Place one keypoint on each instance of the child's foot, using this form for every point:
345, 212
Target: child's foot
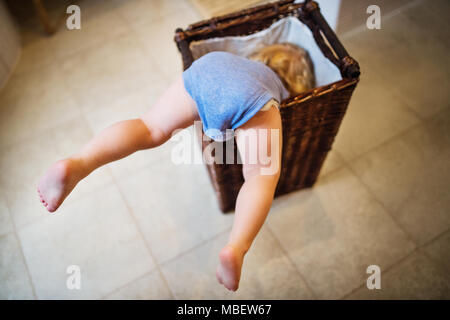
228, 271
58, 182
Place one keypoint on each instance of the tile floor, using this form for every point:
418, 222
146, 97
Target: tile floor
145, 228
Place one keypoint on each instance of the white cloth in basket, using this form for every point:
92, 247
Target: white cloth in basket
289, 29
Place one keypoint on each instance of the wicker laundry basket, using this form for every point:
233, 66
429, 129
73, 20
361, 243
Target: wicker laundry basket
310, 120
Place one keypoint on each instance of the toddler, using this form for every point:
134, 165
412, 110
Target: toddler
225, 92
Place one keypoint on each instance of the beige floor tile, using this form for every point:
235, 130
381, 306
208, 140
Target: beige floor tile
414, 278
22, 165
374, 116
267, 273
409, 175
27, 118
332, 162
149, 287
352, 13
32, 103
95, 233
139, 12
102, 74
334, 231
126, 107
410, 56
6, 225
36, 49
35, 83
157, 36
14, 279
439, 250
440, 8
175, 207
428, 92
35, 55
140, 160
100, 23
433, 15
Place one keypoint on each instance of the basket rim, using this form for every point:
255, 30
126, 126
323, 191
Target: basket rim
275, 10
243, 12
318, 91
213, 28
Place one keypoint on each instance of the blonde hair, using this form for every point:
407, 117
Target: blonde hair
291, 63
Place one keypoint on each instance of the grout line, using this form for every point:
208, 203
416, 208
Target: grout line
284, 251
52, 127
398, 135
22, 254
133, 217
10, 69
159, 265
435, 238
181, 254
418, 247
389, 268
421, 121
62, 58
419, 250
385, 17
408, 237
434, 261
400, 96
199, 245
82, 196
128, 283
26, 139
30, 279
141, 234
16, 235
371, 192
390, 214
82, 114
325, 175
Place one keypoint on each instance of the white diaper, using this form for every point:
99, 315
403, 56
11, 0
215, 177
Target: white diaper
269, 104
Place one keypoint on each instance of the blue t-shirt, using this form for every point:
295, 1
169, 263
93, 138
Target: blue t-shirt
229, 90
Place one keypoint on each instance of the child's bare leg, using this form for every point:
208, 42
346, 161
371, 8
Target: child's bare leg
174, 110
255, 196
